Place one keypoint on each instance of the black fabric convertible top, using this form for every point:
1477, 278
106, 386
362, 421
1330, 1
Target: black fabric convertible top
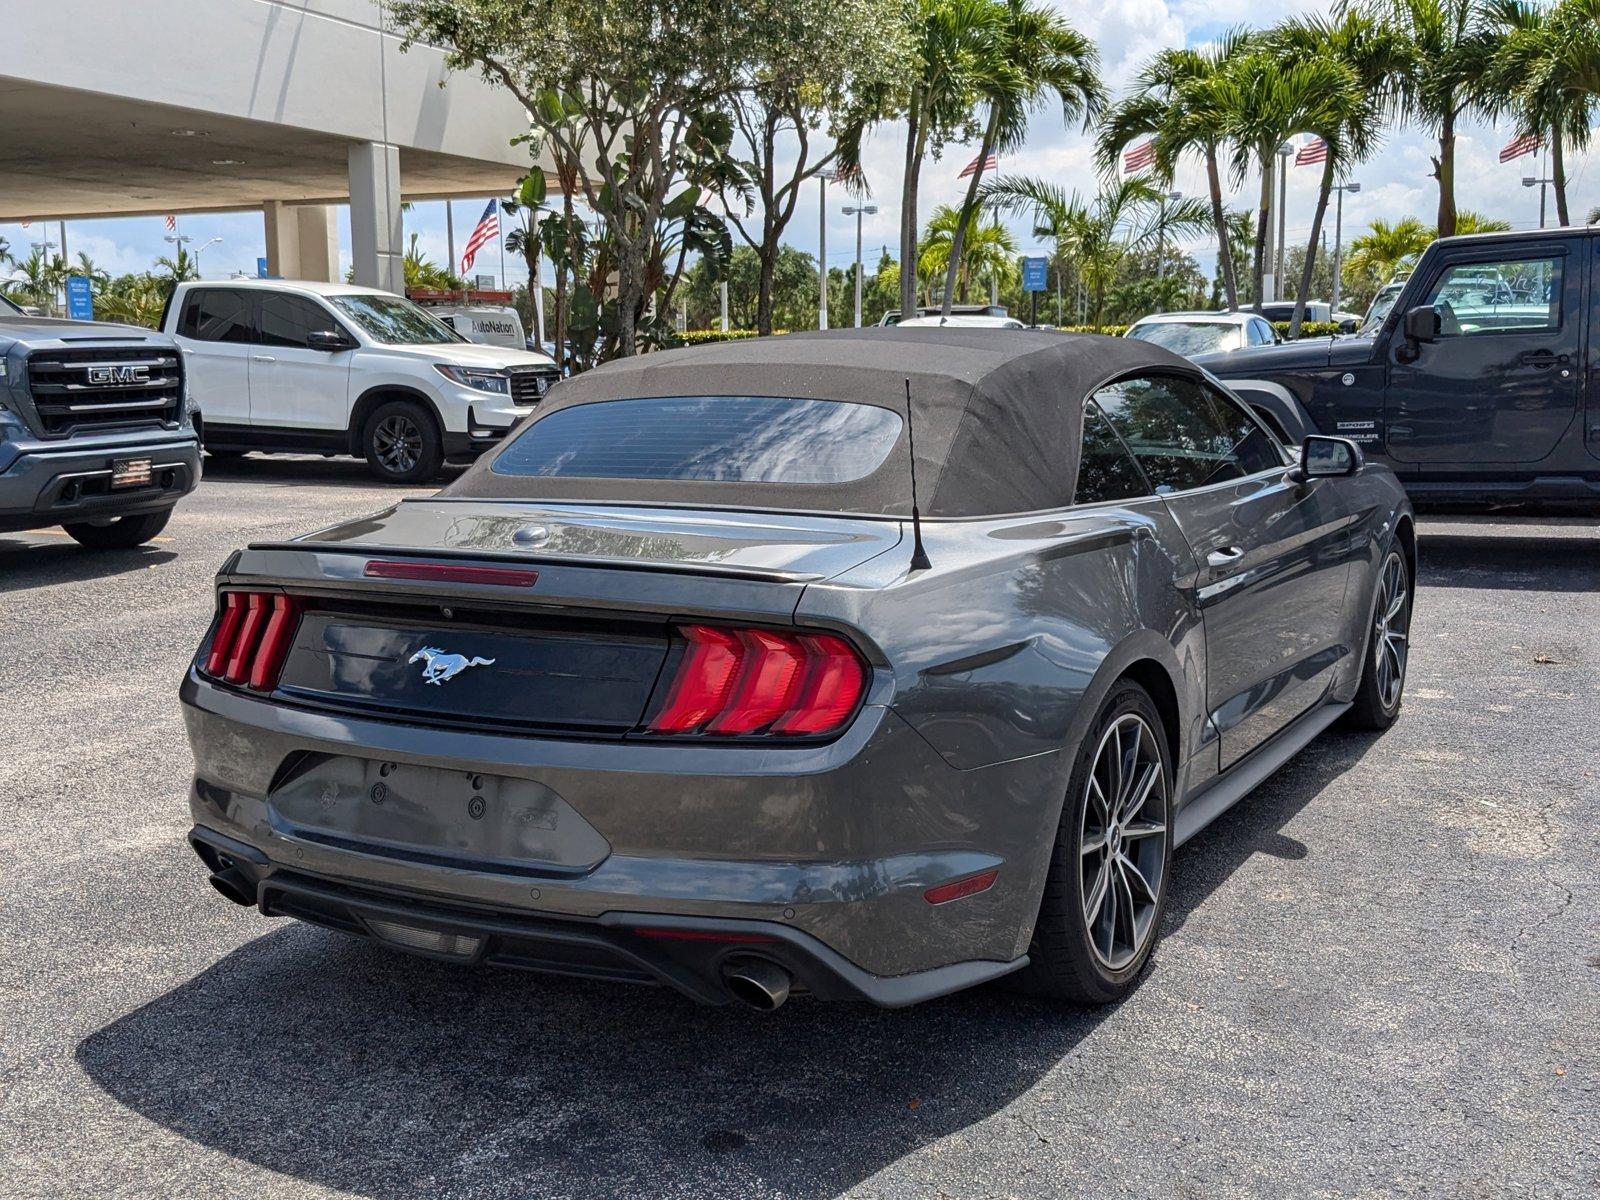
998, 416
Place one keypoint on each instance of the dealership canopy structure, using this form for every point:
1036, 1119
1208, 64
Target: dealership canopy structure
282, 106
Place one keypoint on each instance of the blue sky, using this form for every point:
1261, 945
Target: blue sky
1395, 183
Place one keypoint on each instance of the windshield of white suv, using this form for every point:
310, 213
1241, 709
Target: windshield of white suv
1202, 337
395, 322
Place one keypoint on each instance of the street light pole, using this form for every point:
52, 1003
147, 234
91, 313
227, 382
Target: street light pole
212, 242
42, 249
1161, 238
856, 211
1285, 152
1338, 236
823, 178
1529, 181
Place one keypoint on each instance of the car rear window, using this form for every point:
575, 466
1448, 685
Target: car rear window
727, 439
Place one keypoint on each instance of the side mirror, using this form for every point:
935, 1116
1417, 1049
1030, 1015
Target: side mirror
1424, 323
328, 339
1323, 457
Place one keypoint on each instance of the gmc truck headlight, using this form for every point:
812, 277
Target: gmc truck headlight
482, 381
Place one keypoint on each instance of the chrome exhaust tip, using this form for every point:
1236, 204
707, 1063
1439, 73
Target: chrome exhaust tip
757, 983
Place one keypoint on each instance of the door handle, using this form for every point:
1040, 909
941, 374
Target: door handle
262, 358
1543, 358
1225, 557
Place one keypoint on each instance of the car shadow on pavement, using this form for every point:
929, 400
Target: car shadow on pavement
1501, 562
297, 470
31, 564
355, 1068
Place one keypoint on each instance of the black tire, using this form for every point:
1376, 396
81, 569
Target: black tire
402, 442
1383, 672
1071, 956
122, 534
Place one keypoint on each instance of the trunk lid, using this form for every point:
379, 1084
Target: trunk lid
573, 643
734, 545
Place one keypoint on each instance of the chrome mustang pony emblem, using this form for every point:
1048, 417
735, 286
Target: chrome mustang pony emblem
440, 666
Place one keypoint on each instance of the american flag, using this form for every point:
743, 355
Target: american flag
1139, 158
1517, 147
1314, 151
992, 163
172, 223
488, 229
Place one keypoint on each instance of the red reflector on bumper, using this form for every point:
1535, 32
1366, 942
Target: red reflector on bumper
451, 573
958, 889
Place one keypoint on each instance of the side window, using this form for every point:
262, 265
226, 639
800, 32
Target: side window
1261, 333
1186, 435
286, 320
1520, 296
216, 315
1105, 470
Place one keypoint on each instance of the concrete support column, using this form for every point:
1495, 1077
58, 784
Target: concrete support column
283, 239
375, 229
319, 243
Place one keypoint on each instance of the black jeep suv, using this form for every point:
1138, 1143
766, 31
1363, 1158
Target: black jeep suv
1481, 385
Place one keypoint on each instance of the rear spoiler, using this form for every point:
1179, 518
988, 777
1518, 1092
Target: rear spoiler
713, 570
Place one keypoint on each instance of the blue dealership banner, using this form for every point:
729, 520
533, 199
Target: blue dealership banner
1036, 274
80, 298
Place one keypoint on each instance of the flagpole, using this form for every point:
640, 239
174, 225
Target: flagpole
450, 234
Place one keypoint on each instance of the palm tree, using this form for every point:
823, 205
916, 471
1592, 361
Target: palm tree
1446, 55
1030, 52
1097, 235
1349, 118
1545, 71
178, 269
949, 40
96, 274
1385, 250
1176, 101
988, 251
1594, 215
1468, 221
37, 278
1265, 101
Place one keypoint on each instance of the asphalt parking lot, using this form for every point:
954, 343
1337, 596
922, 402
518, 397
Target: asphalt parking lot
1380, 974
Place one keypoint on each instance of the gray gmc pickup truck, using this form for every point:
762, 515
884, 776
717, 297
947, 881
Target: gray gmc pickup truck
95, 430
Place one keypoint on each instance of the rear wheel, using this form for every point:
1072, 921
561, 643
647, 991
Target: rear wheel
121, 534
1107, 886
402, 443
1383, 676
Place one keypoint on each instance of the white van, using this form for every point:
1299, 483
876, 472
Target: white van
489, 325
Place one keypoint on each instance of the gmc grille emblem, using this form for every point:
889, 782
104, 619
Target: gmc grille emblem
110, 376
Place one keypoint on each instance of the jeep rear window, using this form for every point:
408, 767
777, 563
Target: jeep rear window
727, 439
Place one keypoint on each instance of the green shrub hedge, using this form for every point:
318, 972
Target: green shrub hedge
701, 337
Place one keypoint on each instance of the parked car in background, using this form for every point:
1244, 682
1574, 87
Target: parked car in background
675, 686
1281, 312
332, 368
962, 321
95, 430
892, 317
1192, 333
1479, 386
1382, 302
489, 325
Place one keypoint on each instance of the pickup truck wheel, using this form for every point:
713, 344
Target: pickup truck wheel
1107, 886
402, 443
122, 534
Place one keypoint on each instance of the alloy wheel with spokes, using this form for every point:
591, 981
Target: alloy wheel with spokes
1391, 631
1123, 841
397, 444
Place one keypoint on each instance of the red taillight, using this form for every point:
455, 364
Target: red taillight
253, 638
739, 682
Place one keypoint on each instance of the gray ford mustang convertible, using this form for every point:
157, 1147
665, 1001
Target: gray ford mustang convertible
871, 665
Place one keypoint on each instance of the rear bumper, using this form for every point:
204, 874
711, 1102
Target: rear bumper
685, 954
832, 847
63, 484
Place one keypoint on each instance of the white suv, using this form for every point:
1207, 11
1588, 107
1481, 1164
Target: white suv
333, 368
